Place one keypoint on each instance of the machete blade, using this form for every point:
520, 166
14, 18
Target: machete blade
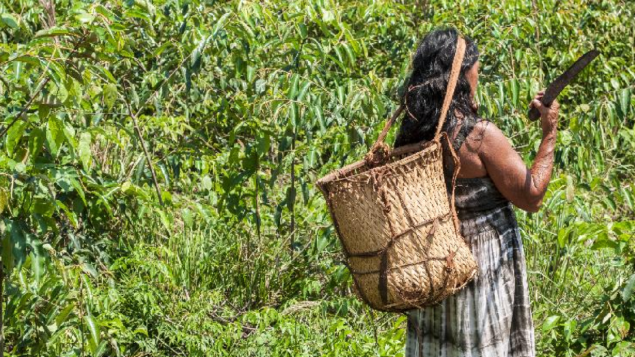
558, 85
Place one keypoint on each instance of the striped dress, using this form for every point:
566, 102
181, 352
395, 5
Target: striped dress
491, 316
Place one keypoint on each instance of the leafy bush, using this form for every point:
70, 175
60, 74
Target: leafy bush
157, 162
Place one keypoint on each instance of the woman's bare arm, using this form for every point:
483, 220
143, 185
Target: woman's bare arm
524, 187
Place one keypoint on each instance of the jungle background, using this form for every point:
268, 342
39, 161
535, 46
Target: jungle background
158, 161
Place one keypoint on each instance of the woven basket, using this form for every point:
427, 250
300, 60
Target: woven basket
398, 228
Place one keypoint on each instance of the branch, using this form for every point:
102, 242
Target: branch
49, 8
42, 84
26, 107
145, 151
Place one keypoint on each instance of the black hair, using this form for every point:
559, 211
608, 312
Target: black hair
425, 90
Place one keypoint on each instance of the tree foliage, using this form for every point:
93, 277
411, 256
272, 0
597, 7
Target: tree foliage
158, 160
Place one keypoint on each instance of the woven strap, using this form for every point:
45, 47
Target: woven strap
449, 94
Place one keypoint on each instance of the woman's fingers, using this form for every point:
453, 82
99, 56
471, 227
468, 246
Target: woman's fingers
538, 98
538, 105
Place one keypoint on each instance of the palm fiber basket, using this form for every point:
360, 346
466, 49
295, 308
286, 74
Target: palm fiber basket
398, 228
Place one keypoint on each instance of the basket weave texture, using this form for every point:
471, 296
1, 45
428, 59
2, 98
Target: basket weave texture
397, 226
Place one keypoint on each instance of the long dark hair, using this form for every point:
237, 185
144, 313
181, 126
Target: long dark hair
426, 87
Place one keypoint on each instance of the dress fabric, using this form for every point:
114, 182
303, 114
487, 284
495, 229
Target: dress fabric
491, 316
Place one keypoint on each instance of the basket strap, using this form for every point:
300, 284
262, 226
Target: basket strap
454, 76
455, 174
449, 93
384, 132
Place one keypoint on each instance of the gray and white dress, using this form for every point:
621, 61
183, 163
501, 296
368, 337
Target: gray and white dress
491, 316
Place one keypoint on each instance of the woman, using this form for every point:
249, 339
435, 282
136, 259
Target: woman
491, 316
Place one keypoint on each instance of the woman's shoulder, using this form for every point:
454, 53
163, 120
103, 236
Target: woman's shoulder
485, 131
485, 138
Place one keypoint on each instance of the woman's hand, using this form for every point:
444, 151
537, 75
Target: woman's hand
548, 114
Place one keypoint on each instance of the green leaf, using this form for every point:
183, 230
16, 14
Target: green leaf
110, 95
38, 260
53, 32
63, 315
570, 190
93, 329
126, 186
162, 48
7, 251
54, 135
550, 323
628, 289
89, 269
14, 135
69, 135
293, 87
4, 200
206, 183
569, 329
18, 244
141, 330
625, 101
585, 108
69, 214
515, 91
83, 149
43, 206
303, 30
327, 15
61, 93
165, 219
85, 17
618, 330
220, 23
260, 86
188, 219
9, 20
43, 111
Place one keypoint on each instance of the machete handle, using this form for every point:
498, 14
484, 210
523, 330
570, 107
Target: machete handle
534, 113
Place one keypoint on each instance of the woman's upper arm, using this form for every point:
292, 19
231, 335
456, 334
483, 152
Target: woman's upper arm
506, 168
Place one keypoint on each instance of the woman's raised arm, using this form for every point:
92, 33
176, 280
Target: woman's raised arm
524, 187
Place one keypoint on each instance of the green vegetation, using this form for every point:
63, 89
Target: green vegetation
231, 110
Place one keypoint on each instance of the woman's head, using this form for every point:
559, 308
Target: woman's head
426, 88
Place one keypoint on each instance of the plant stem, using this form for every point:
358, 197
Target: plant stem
257, 199
145, 152
81, 314
534, 15
26, 107
1, 310
292, 203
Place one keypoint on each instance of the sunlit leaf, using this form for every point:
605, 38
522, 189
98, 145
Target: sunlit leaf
14, 135
550, 323
94, 339
83, 149
110, 95
9, 20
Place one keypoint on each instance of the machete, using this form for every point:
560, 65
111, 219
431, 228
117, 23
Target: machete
558, 85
